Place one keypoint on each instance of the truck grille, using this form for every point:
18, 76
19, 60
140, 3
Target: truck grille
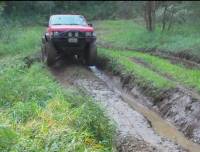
71, 34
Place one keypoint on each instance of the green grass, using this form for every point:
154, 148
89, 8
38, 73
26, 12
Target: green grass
142, 74
128, 33
188, 77
36, 113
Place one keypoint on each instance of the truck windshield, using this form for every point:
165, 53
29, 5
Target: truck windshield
67, 20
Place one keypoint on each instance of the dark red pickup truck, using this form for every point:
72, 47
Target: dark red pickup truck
69, 35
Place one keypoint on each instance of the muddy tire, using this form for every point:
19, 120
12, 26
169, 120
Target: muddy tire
48, 53
91, 54
43, 56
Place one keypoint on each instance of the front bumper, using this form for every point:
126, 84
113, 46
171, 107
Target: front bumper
62, 44
65, 47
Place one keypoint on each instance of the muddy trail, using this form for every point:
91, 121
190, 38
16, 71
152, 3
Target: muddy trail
139, 128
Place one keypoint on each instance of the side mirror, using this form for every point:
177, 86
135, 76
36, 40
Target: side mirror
90, 24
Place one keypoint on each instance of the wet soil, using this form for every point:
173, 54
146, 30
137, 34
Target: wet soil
135, 132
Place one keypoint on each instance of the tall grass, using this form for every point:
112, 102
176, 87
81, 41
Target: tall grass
36, 114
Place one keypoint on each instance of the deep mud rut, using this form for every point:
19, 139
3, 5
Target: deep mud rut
137, 129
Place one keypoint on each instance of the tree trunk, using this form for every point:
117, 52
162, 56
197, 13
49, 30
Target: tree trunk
149, 15
164, 18
171, 20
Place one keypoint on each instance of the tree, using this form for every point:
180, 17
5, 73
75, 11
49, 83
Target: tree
149, 15
172, 12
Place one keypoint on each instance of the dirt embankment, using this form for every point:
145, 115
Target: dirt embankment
181, 106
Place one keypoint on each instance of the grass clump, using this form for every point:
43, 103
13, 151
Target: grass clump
22, 112
8, 137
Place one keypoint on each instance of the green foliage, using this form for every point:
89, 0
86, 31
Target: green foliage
32, 12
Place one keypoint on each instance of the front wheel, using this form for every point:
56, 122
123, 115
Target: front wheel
91, 54
48, 53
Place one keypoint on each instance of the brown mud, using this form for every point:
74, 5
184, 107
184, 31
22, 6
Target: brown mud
182, 107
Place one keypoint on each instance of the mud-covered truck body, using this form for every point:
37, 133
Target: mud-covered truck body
69, 35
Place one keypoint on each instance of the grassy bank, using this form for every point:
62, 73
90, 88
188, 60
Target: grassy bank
150, 70
141, 74
182, 39
36, 114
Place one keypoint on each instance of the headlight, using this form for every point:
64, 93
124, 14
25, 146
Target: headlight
69, 34
93, 34
76, 34
50, 34
88, 33
56, 33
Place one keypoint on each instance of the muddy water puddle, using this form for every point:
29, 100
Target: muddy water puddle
130, 116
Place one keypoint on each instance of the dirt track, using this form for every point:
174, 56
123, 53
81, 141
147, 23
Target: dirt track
139, 129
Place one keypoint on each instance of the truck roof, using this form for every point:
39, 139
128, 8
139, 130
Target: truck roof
66, 15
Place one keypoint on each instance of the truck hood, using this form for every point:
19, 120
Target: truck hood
62, 28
